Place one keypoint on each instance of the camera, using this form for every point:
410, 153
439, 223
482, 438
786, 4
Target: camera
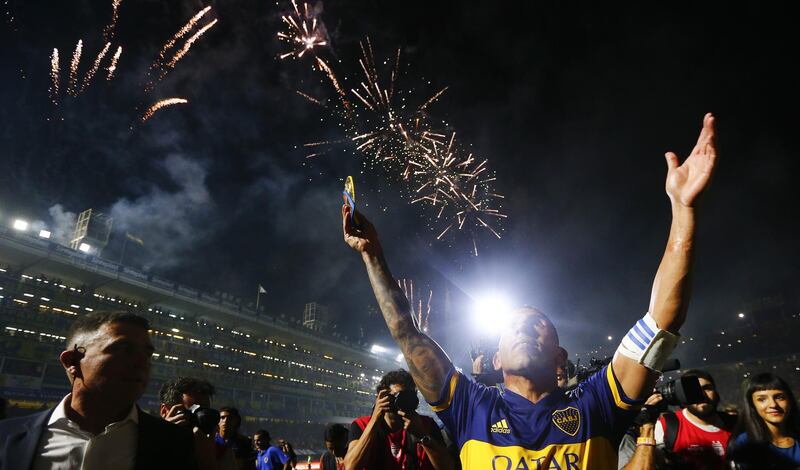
488, 375
202, 417
404, 400
681, 392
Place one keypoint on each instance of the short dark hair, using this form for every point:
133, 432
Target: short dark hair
93, 321
397, 377
700, 374
336, 432
263, 433
231, 410
171, 393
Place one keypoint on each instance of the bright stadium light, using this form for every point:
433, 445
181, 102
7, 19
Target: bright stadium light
44, 233
399, 357
84, 247
20, 225
491, 312
741, 315
378, 349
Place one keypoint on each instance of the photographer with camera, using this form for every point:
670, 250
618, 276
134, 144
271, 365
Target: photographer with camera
695, 437
395, 437
186, 402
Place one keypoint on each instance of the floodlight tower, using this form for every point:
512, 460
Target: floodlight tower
92, 231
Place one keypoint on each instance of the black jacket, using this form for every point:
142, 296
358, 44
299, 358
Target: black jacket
160, 444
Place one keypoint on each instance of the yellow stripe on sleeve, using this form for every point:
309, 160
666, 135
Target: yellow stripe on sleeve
612, 383
445, 404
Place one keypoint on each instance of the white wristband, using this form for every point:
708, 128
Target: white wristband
647, 344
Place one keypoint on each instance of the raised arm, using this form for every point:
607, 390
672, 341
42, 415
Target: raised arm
669, 298
427, 362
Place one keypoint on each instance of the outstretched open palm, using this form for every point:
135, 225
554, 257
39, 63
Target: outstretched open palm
687, 181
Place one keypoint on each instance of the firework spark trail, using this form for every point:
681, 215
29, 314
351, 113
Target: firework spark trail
188, 45
432, 99
109, 30
54, 77
113, 66
161, 104
8, 13
73, 69
95, 67
310, 98
428, 312
162, 54
334, 81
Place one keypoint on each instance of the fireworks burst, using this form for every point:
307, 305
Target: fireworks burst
304, 31
72, 87
162, 58
75, 86
95, 67
108, 31
185, 49
400, 140
164, 65
55, 77
161, 104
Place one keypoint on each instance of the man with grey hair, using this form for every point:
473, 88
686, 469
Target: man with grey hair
98, 425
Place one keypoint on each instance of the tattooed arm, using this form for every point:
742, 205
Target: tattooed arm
427, 362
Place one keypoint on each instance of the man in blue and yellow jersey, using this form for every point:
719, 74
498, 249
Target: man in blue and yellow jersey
533, 424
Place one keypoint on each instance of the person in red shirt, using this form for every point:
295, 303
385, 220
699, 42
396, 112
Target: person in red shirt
696, 437
393, 438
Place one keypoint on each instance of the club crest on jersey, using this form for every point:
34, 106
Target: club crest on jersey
568, 420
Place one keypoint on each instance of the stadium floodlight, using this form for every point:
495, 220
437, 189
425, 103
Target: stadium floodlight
741, 315
85, 247
44, 233
610, 338
399, 357
491, 312
20, 225
378, 349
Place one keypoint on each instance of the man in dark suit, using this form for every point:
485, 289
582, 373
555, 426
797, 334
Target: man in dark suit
98, 425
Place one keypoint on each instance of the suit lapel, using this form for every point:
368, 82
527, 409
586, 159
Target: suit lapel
23, 444
147, 443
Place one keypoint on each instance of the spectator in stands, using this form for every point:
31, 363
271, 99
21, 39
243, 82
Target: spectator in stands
179, 397
393, 439
229, 423
269, 457
771, 424
336, 443
98, 425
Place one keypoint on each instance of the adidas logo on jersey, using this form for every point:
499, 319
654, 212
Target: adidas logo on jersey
501, 427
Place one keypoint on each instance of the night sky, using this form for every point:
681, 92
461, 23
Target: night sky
574, 106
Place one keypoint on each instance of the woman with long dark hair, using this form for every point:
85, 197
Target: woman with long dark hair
771, 425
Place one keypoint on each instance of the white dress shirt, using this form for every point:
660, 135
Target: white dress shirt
64, 445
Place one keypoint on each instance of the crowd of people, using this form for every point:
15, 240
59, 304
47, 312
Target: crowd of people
532, 419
